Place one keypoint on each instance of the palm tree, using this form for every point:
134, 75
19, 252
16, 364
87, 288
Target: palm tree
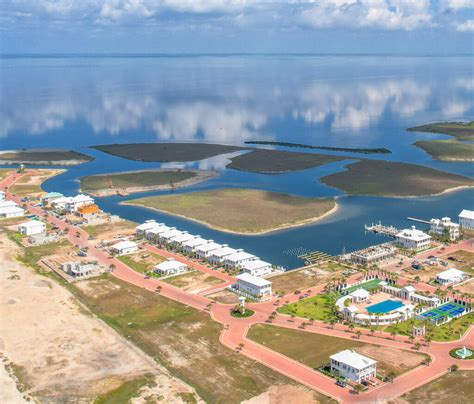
393, 334
240, 346
372, 331
112, 267
358, 334
351, 326
391, 376
417, 346
332, 322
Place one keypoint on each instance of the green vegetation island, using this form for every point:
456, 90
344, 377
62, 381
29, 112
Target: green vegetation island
166, 152
242, 211
458, 149
393, 179
142, 181
307, 146
58, 157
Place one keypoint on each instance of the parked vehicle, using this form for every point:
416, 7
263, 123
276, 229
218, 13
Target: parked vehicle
341, 383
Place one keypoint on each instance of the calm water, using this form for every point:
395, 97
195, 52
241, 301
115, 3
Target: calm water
322, 100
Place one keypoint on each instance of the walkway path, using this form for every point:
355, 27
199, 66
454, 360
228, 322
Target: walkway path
235, 330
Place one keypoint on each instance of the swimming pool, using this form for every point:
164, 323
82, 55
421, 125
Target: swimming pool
385, 306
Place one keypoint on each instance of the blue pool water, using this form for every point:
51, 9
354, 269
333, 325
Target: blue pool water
385, 306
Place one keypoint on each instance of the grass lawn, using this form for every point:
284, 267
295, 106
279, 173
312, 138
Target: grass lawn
384, 178
446, 332
369, 286
183, 339
454, 387
127, 391
314, 350
134, 179
142, 261
317, 307
31, 255
241, 210
447, 149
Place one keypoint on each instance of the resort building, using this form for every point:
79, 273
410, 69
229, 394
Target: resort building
124, 247
444, 227
253, 286
79, 269
170, 267
142, 228
204, 251
189, 247
466, 219
239, 258
32, 227
353, 366
257, 268
359, 295
50, 197
217, 256
373, 255
413, 239
450, 276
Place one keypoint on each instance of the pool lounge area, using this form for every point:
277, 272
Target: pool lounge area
384, 307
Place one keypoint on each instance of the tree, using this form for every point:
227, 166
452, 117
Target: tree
454, 368
241, 346
358, 388
358, 334
417, 346
332, 322
393, 333
112, 267
372, 331
391, 376
411, 338
351, 326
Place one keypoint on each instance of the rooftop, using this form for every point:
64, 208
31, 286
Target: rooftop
361, 293
195, 242
31, 223
239, 255
256, 264
413, 234
223, 251
170, 265
209, 247
467, 214
353, 359
450, 273
254, 280
124, 244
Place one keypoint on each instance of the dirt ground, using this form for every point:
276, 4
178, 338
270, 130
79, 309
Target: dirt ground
464, 261
285, 394
467, 287
108, 231
193, 282
224, 296
301, 279
31, 183
58, 350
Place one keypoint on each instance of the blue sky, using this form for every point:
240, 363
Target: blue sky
226, 26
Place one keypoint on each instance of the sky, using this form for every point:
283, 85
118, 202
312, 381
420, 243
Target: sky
237, 26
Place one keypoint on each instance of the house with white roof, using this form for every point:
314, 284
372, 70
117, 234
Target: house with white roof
167, 235
7, 204
77, 201
179, 239
79, 269
237, 259
353, 366
257, 267
142, 228
170, 267
154, 233
413, 239
204, 251
217, 256
253, 285
189, 247
32, 227
10, 209
450, 276
444, 227
61, 202
466, 219
124, 247
50, 197
359, 295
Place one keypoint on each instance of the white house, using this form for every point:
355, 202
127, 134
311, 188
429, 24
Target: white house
167, 235
359, 295
257, 268
61, 202
77, 201
170, 267
451, 275
253, 285
11, 211
179, 239
7, 204
413, 239
79, 269
50, 197
189, 247
466, 219
125, 247
31, 228
444, 227
142, 228
205, 250
153, 234
237, 259
353, 366
217, 256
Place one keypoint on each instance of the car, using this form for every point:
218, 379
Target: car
341, 383
364, 382
452, 259
146, 277
297, 292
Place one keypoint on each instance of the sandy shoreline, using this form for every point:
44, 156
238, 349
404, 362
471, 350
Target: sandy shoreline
201, 176
259, 233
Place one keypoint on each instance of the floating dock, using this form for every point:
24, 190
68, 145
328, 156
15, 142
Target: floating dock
315, 257
379, 228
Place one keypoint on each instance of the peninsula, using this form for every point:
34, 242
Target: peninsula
243, 211
338, 149
57, 157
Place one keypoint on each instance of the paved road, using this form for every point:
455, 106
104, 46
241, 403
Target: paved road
235, 330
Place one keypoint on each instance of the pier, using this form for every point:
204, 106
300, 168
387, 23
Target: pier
379, 228
414, 219
315, 257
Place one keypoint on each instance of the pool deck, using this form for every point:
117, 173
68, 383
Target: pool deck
385, 306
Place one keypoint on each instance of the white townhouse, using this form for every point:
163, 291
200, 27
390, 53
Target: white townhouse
2, 196
141, 229
205, 250
353, 366
179, 239
31, 228
466, 219
451, 275
167, 235
217, 256
170, 267
153, 234
124, 247
189, 247
413, 239
444, 227
10, 209
237, 259
257, 268
77, 201
254, 286
50, 197
61, 202
79, 269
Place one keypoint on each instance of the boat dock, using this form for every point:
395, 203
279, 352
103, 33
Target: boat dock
414, 219
379, 228
314, 257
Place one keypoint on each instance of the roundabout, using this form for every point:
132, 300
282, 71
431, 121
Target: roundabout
462, 353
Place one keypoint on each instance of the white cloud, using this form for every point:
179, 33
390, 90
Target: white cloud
382, 14
455, 108
466, 26
459, 4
